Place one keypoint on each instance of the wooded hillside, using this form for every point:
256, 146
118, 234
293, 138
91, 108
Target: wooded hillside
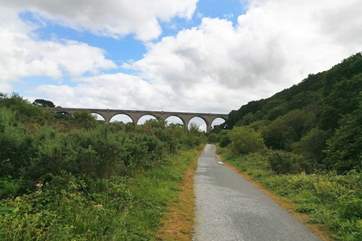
320, 118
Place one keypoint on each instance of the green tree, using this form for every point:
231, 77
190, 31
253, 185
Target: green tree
84, 119
224, 138
288, 129
312, 147
282, 162
44, 103
344, 150
245, 140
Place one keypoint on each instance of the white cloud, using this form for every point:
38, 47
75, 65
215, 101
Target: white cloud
108, 91
22, 56
343, 22
218, 66
125, 91
110, 17
274, 45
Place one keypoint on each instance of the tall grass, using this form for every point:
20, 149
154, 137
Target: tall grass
119, 208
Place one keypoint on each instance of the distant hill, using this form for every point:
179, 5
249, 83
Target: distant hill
333, 91
325, 108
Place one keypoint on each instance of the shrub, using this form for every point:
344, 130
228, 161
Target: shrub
79, 145
312, 146
282, 162
259, 125
245, 140
344, 151
17, 147
43, 103
84, 119
224, 138
287, 129
212, 138
69, 177
9, 187
24, 111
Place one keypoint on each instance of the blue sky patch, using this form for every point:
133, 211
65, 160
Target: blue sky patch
128, 48
229, 9
119, 50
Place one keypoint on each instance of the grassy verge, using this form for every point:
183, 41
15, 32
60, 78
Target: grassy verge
177, 224
328, 200
71, 208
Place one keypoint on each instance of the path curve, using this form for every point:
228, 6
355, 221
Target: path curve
229, 208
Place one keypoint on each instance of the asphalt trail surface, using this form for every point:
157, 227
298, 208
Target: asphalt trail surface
229, 208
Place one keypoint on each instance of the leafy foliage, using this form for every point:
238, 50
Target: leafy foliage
44, 103
287, 129
282, 162
311, 147
74, 178
245, 140
344, 147
318, 118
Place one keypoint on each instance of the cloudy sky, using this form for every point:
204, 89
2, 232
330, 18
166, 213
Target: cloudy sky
179, 55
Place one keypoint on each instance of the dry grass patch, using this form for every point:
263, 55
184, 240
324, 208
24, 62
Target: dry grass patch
178, 222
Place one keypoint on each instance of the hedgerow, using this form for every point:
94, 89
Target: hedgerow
73, 178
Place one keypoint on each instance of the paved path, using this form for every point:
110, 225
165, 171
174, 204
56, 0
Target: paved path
229, 208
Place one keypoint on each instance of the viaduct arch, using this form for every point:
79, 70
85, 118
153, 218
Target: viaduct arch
135, 115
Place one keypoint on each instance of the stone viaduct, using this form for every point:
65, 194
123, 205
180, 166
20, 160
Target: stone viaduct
135, 115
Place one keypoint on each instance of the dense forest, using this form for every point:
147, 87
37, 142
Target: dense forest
320, 118
305, 143
74, 178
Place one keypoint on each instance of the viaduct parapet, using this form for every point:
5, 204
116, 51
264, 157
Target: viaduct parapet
135, 115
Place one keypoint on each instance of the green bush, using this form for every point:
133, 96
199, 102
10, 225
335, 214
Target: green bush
212, 138
9, 187
260, 125
79, 144
245, 140
344, 151
17, 147
311, 146
84, 120
25, 111
224, 138
282, 162
288, 129
73, 178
